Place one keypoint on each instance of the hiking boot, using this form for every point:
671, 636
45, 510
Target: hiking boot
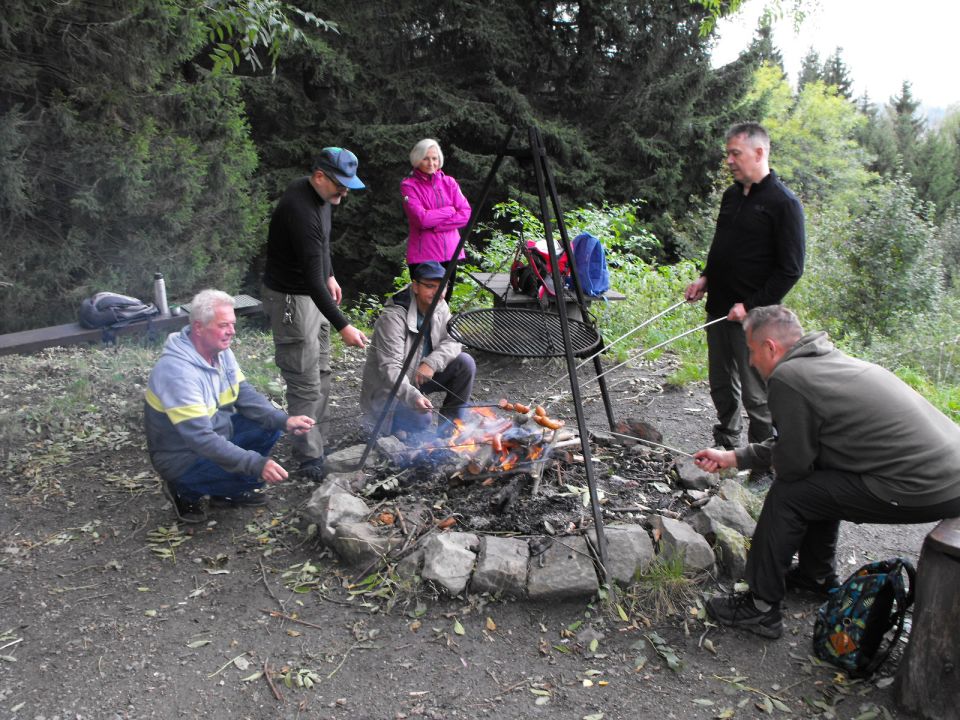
191, 512
739, 610
799, 581
242, 499
312, 470
759, 480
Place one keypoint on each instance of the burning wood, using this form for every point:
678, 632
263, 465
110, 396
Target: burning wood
491, 444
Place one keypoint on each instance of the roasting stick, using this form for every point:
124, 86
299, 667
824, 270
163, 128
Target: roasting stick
655, 347
607, 346
651, 442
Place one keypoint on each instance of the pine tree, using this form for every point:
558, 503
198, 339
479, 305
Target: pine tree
810, 69
123, 157
835, 73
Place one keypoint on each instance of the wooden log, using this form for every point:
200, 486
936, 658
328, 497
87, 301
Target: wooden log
928, 678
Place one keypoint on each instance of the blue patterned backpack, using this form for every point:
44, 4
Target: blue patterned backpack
851, 627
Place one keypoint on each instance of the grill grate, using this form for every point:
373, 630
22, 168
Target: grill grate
519, 332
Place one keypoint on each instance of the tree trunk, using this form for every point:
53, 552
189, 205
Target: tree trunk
929, 673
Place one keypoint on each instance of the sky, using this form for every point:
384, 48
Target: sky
884, 42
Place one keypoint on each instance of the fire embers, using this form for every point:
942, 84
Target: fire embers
493, 444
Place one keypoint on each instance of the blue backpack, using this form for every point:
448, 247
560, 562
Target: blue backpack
591, 263
851, 626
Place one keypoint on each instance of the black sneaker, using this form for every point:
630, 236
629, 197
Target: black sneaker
242, 499
738, 610
191, 512
822, 587
312, 470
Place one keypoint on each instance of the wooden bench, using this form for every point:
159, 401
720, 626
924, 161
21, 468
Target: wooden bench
928, 680
498, 285
28, 341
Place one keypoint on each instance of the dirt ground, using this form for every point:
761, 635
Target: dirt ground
108, 610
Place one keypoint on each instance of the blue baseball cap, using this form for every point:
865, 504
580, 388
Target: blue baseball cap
430, 270
341, 165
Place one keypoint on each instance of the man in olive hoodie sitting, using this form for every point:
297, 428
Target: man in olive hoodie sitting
853, 442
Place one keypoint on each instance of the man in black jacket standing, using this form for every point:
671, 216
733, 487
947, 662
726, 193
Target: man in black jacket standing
301, 295
755, 258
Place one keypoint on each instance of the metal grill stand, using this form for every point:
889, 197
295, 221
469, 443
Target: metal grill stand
545, 184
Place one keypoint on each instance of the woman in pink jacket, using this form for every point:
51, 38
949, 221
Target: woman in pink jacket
436, 209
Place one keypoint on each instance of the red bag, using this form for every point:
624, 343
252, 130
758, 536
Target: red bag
531, 272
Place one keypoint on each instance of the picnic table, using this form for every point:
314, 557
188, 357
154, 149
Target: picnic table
28, 341
498, 285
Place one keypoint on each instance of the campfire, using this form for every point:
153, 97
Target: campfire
489, 442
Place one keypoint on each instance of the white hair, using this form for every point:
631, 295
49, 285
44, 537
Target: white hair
203, 307
419, 151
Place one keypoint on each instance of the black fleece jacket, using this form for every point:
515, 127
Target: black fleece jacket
298, 249
758, 247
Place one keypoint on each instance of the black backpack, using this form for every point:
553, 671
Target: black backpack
110, 310
851, 626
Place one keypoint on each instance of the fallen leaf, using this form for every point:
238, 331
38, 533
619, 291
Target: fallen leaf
458, 628
198, 643
241, 663
150, 613
294, 633
491, 625
446, 523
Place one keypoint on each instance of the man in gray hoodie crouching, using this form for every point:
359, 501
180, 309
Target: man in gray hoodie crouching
209, 432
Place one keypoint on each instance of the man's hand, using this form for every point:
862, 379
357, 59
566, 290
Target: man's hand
422, 403
352, 336
737, 313
334, 287
696, 290
712, 460
299, 424
424, 374
273, 472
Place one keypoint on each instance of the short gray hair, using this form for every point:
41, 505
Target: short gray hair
774, 321
203, 307
754, 131
419, 151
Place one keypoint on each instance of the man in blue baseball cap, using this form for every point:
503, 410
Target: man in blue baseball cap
301, 296
440, 364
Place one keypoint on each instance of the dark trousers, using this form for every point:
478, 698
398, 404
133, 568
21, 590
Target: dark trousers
207, 478
804, 517
732, 380
456, 380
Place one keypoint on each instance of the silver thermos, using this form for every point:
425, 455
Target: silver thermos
160, 294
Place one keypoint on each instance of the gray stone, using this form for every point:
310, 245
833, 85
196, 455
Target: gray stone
565, 569
693, 478
629, 550
333, 484
730, 550
731, 489
448, 560
393, 450
722, 512
501, 566
679, 539
410, 567
340, 508
359, 544
346, 460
